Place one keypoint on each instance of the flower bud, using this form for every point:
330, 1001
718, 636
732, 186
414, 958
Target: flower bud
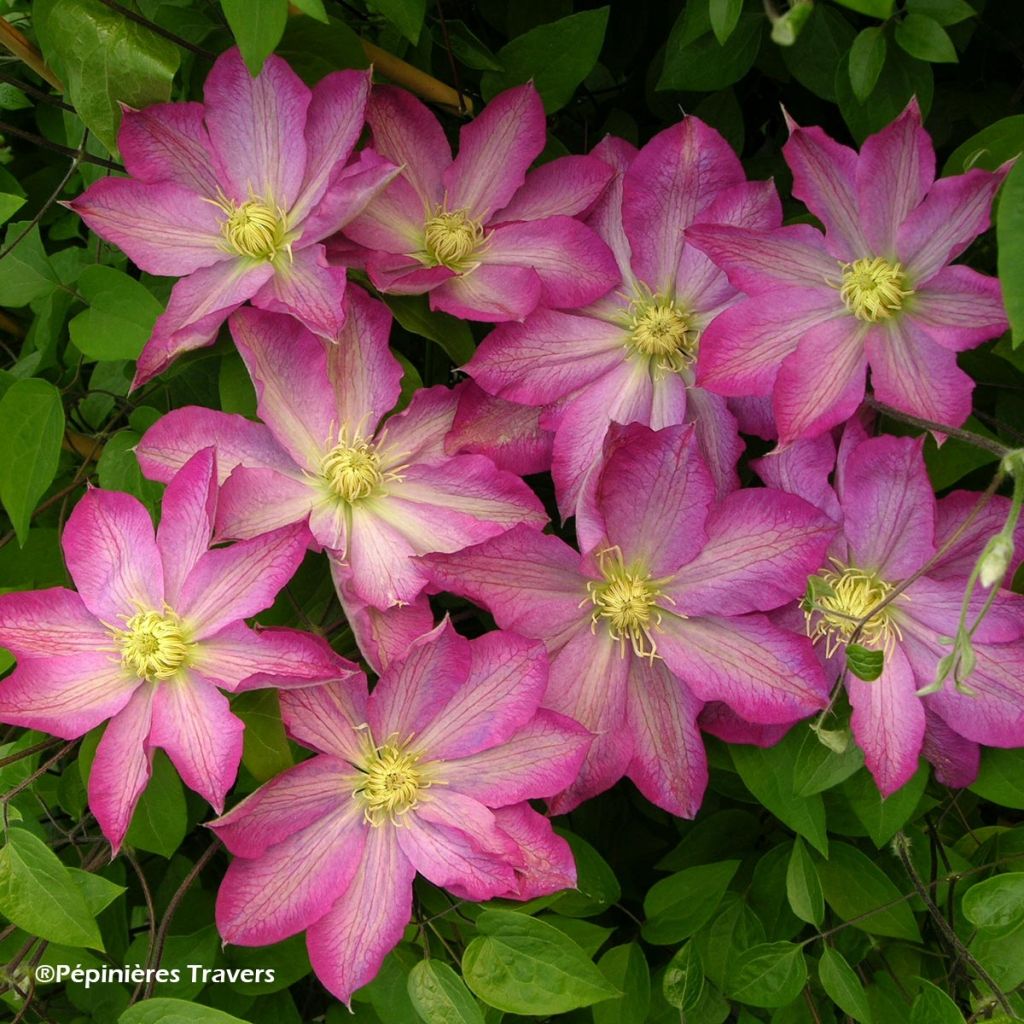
995, 560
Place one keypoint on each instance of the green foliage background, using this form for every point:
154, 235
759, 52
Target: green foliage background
798, 896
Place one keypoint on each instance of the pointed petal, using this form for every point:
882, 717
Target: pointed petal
310, 290
50, 622
163, 227
888, 722
348, 944
606, 216
256, 501
392, 222
495, 150
236, 582
568, 186
418, 432
288, 887
548, 864
803, 468
720, 720
669, 765
328, 718
111, 553
490, 293
952, 516
955, 759
762, 545
717, 436
765, 674
186, 520
379, 555
256, 127
959, 308
912, 373
935, 606
120, 770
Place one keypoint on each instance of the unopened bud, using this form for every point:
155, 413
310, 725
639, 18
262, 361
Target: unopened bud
995, 560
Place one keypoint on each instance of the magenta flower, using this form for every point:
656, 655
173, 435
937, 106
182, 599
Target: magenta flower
374, 495
234, 196
428, 774
629, 356
486, 240
156, 626
874, 290
661, 616
892, 526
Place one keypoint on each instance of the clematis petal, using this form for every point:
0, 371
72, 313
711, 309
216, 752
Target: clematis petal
492, 293
418, 432
328, 718
121, 768
540, 759
379, 555
888, 722
952, 517
187, 515
193, 722
912, 373
51, 622
256, 127
606, 216
959, 308
111, 553
669, 184
717, 435
548, 863
287, 888
163, 227
299, 797
236, 582
67, 695
310, 290
568, 186
935, 606
720, 720
764, 673
956, 760
803, 468
392, 222
495, 150
348, 944
257, 501
669, 765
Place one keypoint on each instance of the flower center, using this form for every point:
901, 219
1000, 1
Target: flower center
837, 601
153, 645
627, 599
254, 228
392, 784
451, 238
352, 471
874, 289
660, 330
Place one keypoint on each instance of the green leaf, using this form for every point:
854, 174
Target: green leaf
768, 774
933, 1006
265, 749
1010, 239
867, 57
119, 470
819, 767
521, 965
626, 968
803, 887
160, 822
468, 48
770, 974
234, 385
39, 895
694, 59
876, 8
413, 312
882, 816
989, 148
864, 663
683, 981
315, 50
98, 892
314, 8
1001, 776
9, 206
556, 56
812, 58
997, 904
105, 60
724, 15
925, 39
257, 26
861, 893
120, 316
27, 271
175, 1011
677, 906
945, 12
406, 15
31, 431
735, 928
440, 996
842, 986
597, 888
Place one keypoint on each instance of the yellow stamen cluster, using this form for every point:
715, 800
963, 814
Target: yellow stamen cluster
627, 599
353, 471
154, 645
255, 228
842, 599
392, 784
451, 238
873, 288
663, 332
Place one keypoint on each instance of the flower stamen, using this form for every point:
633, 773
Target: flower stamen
254, 228
451, 238
153, 645
392, 785
873, 288
664, 333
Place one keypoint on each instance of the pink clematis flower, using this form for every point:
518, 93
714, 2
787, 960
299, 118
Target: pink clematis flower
874, 290
428, 774
892, 527
629, 356
486, 240
374, 495
661, 616
234, 196
156, 626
